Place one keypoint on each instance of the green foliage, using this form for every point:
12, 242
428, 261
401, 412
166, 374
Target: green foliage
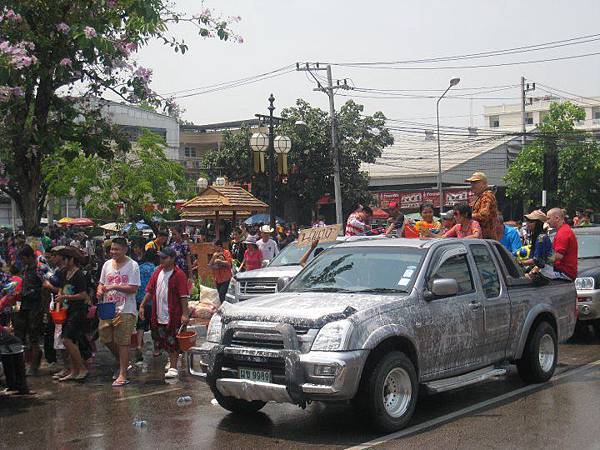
578, 161
360, 139
135, 178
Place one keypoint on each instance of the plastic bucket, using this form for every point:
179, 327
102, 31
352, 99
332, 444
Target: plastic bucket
59, 316
106, 311
186, 340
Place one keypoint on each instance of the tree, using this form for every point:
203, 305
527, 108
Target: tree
578, 161
136, 178
56, 55
361, 139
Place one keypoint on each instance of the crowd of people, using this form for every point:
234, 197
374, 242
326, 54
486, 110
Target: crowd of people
544, 259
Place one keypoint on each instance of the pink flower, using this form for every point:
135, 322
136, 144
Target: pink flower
16, 91
4, 45
240, 40
89, 32
10, 14
143, 73
111, 3
66, 62
63, 27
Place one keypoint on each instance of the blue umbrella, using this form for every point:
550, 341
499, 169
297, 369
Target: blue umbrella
141, 225
262, 218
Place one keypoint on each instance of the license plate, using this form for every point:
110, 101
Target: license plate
255, 374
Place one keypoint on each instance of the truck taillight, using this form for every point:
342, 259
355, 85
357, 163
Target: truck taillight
582, 299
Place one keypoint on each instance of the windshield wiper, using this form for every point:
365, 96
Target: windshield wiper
327, 289
380, 290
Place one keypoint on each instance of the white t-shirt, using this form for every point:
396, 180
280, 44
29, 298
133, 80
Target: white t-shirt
162, 297
128, 274
268, 249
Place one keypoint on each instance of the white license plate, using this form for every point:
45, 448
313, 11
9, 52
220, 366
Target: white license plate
255, 374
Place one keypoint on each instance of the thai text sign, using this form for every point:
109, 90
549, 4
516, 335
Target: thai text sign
412, 199
323, 234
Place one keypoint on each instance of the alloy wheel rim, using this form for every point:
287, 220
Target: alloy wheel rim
397, 392
546, 353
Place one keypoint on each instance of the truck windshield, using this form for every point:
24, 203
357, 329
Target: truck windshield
292, 254
361, 269
589, 245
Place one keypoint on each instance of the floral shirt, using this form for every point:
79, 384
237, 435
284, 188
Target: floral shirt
182, 249
461, 232
485, 211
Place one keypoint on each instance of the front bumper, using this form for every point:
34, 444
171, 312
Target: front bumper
588, 304
294, 379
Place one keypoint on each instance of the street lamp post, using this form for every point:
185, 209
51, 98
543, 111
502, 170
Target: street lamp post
453, 82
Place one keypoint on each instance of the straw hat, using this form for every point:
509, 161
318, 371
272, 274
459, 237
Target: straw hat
477, 176
537, 215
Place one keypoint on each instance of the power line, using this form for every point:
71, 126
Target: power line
514, 50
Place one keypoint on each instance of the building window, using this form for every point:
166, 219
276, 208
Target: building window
494, 121
596, 113
190, 152
529, 118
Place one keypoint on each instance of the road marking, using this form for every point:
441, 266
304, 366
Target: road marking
469, 409
164, 391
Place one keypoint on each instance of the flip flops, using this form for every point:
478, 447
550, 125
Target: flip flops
120, 383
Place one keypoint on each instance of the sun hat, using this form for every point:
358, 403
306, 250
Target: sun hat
250, 240
266, 229
537, 215
477, 176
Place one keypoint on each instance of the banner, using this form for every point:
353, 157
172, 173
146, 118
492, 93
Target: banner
323, 234
413, 199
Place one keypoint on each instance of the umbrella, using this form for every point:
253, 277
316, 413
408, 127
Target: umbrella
262, 218
112, 226
141, 225
76, 222
65, 221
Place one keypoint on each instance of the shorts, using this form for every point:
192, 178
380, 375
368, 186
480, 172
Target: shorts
145, 324
165, 338
29, 325
75, 326
117, 330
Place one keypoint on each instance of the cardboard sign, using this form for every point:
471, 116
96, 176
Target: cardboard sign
323, 234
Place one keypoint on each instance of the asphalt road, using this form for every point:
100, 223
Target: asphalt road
502, 412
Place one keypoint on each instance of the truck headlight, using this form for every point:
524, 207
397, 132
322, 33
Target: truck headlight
584, 283
333, 336
232, 287
215, 328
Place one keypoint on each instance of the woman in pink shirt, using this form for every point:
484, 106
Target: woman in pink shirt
252, 255
465, 226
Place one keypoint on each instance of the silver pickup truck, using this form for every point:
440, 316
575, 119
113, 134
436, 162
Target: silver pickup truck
375, 321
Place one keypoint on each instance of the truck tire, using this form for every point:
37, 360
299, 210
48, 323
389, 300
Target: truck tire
540, 354
596, 327
238, 406
388, 393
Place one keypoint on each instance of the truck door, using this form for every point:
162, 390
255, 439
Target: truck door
451, 326
496, 304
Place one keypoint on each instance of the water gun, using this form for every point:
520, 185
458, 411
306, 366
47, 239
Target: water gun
523, 253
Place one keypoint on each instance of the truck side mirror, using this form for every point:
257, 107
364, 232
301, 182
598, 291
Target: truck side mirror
265, 263
444, 287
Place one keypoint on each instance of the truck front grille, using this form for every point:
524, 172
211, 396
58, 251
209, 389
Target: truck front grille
258, 287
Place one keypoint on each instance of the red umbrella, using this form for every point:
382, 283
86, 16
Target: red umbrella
81, 222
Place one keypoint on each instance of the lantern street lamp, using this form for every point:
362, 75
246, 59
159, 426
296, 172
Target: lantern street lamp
220, 181
283, 145
201, 183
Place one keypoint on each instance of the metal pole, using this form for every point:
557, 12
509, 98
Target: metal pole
439, 177
271, 162
523, 118
339, 215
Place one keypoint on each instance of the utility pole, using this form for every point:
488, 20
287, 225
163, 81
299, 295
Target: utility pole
525, 88
330, 90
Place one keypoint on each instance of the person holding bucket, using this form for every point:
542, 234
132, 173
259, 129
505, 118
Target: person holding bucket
73, 296
168, 290
119, 281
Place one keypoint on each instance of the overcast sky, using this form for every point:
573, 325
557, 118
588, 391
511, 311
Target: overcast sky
282, 32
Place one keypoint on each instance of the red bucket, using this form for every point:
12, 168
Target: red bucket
186, 340
59, 316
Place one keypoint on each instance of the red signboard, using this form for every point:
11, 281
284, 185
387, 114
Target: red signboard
412, 199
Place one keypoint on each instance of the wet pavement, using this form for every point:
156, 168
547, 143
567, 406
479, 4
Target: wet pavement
502, 412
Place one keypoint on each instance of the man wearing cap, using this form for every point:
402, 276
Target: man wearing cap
168, 289
267, 246
485, 208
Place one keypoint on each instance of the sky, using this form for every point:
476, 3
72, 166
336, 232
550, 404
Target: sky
277, 33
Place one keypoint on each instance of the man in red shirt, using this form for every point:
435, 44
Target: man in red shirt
565, 248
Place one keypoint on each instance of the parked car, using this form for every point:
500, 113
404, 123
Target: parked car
284, 267
588, 276
375, 321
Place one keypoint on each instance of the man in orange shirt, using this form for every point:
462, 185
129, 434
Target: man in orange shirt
220, 263
485, 208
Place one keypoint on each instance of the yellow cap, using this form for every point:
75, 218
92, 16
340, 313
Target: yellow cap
477, 176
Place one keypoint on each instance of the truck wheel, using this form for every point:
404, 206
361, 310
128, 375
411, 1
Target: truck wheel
597, 328
388, 394
238, 406
540, 355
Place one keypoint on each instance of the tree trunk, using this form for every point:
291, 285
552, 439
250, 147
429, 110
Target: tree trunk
28, 206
